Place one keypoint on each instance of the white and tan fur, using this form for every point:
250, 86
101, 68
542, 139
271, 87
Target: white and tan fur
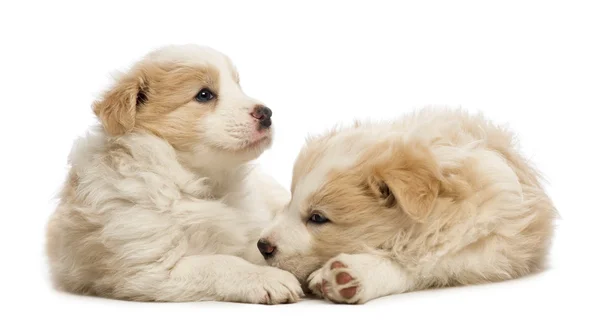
161, 202
437, 198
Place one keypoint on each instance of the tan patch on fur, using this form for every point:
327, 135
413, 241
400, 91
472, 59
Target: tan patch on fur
116, 110
353, 200
85, 256
159, 97
411, 175
359, 220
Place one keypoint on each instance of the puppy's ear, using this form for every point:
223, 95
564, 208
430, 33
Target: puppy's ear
117, 108
409, 178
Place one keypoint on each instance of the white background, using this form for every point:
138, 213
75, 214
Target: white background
533, 65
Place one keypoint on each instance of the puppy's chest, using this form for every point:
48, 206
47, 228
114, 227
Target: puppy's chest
229, 232
239, 196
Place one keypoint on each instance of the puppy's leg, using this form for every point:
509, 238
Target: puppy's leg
177, 276
215, 277
358, 278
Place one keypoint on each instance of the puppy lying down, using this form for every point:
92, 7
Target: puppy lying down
160, 203
438, 198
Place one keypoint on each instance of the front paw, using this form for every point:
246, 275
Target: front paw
338, 281
273, 286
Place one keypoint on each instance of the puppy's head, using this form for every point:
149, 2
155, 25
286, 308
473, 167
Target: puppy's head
191, 97
352, 191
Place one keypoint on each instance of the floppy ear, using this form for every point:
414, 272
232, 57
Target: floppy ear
407, 177
117, 108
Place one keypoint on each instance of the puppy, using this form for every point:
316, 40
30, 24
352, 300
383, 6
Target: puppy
438, 198
161, 203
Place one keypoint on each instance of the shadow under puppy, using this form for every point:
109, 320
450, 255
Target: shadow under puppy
161, 203
437, 198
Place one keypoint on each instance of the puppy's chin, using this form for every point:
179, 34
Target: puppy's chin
301, 267
217, 156
250, 150
259, 145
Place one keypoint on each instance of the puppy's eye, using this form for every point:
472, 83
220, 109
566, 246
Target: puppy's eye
317, 218
205, 95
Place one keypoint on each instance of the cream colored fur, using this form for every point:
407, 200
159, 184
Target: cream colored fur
436, 198
161, 202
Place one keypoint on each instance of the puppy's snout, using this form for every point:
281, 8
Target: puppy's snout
263, 114
266, 248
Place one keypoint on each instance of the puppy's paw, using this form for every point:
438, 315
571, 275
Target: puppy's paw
315, 281
338, 281
273, 286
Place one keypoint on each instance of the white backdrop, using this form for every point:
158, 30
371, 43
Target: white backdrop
533, 65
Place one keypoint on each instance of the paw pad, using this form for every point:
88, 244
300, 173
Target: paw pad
348, 293
343, 278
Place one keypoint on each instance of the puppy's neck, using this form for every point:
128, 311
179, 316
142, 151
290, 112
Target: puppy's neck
224, 177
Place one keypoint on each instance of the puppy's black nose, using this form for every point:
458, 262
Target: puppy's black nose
263, 114
266, 248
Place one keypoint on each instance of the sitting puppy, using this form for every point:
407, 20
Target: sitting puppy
160, 203
439, 198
